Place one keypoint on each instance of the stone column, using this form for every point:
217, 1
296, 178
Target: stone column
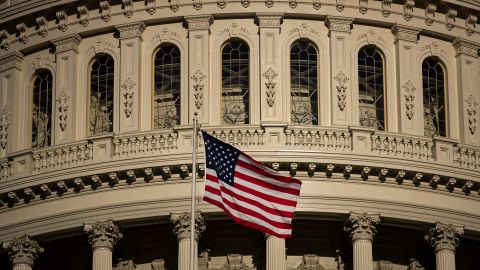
130, 35
181, 221
198, 66
361, 227
276, 255
102, 236
23, 251
13, 137
409, 90
271, 97
66, 77
341, 93
467, 81
444, 239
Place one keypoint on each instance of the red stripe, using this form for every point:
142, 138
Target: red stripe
281, 178
264, 184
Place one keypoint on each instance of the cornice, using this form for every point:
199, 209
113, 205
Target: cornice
466, 47
199, 22
67, 43
269, 19
405, 32
11, 60
131, 30
339, 24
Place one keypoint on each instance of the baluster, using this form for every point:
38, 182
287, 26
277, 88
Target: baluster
36, 162
148, 142
288, 134
116, 146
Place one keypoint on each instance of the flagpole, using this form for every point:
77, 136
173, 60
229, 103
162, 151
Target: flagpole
192, 212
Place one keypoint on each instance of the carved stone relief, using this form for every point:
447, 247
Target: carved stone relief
316, 4
102, 234
151, 6
386, 7
270, 75
450, 18
83, 14
371, 37
197, 4
433, 49
310, 262
4, 42
340, 5
42, 26
245, 3
174, 5
362, 225
470, 22
221, 3
408, 9
22, 33
100, 46
128, 95
127, 8
105, 11
409, 98
62, 105
430, 13
269, 3
235, 262
62, 18
444, 236
165, 35
363, 6
181, 224
233, 30
23, 250
471, 113
304, 31
198, 77
4, 124
415, 265
341, 89
292, 3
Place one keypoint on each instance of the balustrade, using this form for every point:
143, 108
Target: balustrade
402, 146
62, 156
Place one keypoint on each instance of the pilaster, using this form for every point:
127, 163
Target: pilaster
361, 227
276, 253
23, 251
198, 66
102, 236
66, 78
409, 90
130, 35
467, 80
270, 54
444, 238
12, 137
339, 29
182, 230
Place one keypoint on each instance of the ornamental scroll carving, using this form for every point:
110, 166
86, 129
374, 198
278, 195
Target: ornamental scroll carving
472, 113
4, 124
4, 42
470, 22
270, 75
128, 94
181, 224
269, 3
409, 98
198, 77
430, 13
151, 6
197, 4
102, 234
127, 8
444, 236
386, 7
316, 4
23, 250
304, 31
174, 5
83, 14
62, 18
42, 26
22, 33
363, 6
62, 103
408, 9
362, 226
235, 262
100, 46
105, 11
450, 18
341, 89
166, 35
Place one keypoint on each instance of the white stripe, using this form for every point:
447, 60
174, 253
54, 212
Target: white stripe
264, 190
264, 178
249, 195
261, 167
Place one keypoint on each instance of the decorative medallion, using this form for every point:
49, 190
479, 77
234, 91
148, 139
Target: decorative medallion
62, 105
409, 98
341, 89
128, 94
270, 75
198, 77
4, 124
472, 113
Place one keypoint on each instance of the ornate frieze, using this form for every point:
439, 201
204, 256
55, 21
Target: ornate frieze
409, 98
433, 49
23, 250
361, 226
128, 93
371, 37
386, 7
450, 18
105, 11
62, 18
339, 24
269, 19
405, 33
235, 262
42, 24
430, 13
197, 4
341, 79
102, 234
363, 6
199, 22
100, 46
470, 22
62, 105
4, 42
83, 15
270, 75
4, 124
245, 3
165, 35
471, 105
127, 8
465, 46
22, 33
198, 77
67, 43
408, 9
444, 236
174, 5
304, 31
181, 222
151, 6
131, 30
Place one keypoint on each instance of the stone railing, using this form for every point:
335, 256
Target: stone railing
146, 143
6, 167
325, 139
240, 136
407, 147
466, 157
62, 156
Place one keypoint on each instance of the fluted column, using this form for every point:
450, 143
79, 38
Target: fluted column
181, 221
361, 227
23, 251
276, 256
102, 236
444, 239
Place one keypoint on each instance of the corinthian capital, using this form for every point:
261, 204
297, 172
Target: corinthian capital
444, 236
102, 234
362, 225
23, 250
181, 221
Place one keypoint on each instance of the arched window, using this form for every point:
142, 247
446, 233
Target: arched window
42, 108
235, 82
101, 95
371, 87
166, 96
303, 83
434, 114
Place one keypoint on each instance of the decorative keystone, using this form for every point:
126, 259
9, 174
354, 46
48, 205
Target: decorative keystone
347, 171
329, 169
181, 221
102, 234
23, 250
361, 226
400, 176
444, 236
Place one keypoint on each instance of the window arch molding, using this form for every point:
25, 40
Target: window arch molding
216, 83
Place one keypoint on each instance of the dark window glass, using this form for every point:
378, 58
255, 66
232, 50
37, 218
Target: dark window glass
235, 82
303, 83
42, 109
371, 80
433, 79
101, 95
166, 87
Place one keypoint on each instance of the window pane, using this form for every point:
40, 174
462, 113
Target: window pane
433, 78
101, 95
371, 88
235, 83
303, 83
42, 109
166, 101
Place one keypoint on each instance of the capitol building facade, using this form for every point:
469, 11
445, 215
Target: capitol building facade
373, 105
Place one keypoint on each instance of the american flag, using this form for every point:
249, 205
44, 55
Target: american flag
252, 194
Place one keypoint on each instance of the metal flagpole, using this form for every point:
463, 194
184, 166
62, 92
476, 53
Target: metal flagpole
192, 212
